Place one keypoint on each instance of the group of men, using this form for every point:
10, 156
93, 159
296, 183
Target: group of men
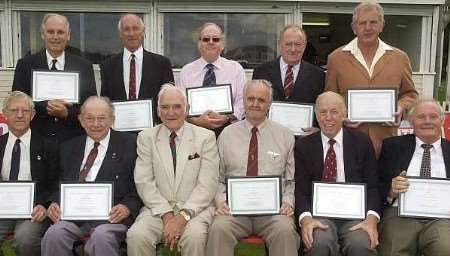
170, 181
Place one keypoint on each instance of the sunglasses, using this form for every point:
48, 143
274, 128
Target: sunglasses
209, 39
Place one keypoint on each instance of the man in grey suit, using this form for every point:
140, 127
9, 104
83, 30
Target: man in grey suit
176, 176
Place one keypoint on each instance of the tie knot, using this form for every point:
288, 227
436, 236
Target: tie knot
96, 144
173, 135
254, 130
133, 56
427, 146
290, 67
210, 66
17, 141
54, 61
331, 142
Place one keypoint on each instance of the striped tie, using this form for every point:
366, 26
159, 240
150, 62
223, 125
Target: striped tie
210, 77
288, 82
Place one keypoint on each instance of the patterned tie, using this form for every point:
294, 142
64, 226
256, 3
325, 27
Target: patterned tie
210, 77
425, 167
89, 162
173, 150
288, 82
252, 163
132, 82
15, 162
330, 166
54, 64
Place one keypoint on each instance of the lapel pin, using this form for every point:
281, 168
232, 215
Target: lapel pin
38, 157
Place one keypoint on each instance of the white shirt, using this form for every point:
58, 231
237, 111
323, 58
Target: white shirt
24, 167
61, 60
138, 57
179, 133
284, 67
102, 148
353, 48
437, 160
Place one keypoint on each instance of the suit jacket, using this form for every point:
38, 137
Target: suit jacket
48, 126
396, 154
197, 170
43, 166
360, 166
393, 70
117, 167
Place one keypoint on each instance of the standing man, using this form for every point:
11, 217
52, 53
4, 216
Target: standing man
423, 154
176, 177
273, 146
336, 154
103, 155
55, 119
369, 62
212, 69
26, 156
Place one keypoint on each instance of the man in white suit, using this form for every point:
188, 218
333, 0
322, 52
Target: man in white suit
176, 176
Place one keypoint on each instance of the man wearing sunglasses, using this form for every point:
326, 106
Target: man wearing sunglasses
212, 69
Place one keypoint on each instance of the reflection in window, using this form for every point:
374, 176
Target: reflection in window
251, 39
93, 35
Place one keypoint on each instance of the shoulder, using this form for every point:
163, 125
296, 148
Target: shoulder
155, 57
112, 60
303, 142
398, 140
199, 132
356, 136
232, 64
191, 66
72, 144
312, 68
123, 137
31, 58
268, 65
78, 59
397, 53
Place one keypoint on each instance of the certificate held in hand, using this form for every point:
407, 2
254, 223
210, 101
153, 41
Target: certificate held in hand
371, 105
52, 85
217, 98
17, 200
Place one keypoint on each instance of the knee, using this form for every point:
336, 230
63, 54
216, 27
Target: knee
54, 232
101, 235
137, 235
220, 225
284, 226
358, 243
441, 247
193, 237
323, 239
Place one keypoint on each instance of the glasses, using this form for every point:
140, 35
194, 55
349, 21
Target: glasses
99, 119
16, 111
209, 39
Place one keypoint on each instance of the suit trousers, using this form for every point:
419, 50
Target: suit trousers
147, 232
27, 235
278, 231
337, 239
406, 236
104, 241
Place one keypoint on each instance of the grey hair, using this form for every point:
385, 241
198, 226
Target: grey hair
14, 95
337, 96
167, 87
119, 24
261, 82
295, 27
413, 108
368, 5
104, 99
51, 15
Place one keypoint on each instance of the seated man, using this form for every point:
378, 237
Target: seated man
27, 156
340, 155
102, 155
423, 154
269, 152
176, 176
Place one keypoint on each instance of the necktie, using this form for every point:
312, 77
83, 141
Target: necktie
173, 149
89, 162
15, 162
132, 82
252, 163
210, 77
288, 82
54, 64
330, 166
425, 167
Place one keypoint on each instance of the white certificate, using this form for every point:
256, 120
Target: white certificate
294, 116
371, 105
50, 85
17, 200
254, 195
339, 200
216, 98
86, 201
133, 115
425, 198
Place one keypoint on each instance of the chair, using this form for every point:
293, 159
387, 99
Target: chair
254, 239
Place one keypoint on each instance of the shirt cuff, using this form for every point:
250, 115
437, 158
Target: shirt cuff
374, 213
303, 215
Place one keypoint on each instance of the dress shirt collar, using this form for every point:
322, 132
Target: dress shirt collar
138, 54
103, 143
338, 138
61, 60
260, 127
284, 65
436, 145
24, 139
218, 63
179, 132
354, 49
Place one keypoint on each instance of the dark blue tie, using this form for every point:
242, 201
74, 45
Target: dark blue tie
210, 77
15, 161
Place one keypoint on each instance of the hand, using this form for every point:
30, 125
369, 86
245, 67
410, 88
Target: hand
222, 209
398, 118
399, 185
210, 120
370, 226
39, 213
118, 213
175, 227
308, 225
309, 130
53, 212
351, 124
58, 108
286, 209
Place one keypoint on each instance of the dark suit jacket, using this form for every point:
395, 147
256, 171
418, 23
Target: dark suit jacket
359, 163
43, 166
55, 129
396, 154
117, 166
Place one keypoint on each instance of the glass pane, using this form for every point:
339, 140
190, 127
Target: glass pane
251, 39
93, 35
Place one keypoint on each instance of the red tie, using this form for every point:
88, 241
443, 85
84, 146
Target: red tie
288, 82
89, 162
173, 150
252, 163
132, 85
330, 166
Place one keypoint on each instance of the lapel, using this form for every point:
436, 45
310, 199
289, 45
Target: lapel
118, 83
110, 156
183, 153
382, 62
144, 74
349, 154
408, 151
41, 61
276, 76
74, 166
165, 155
354, 62
317, 148
3, 141
35, 150
445, 144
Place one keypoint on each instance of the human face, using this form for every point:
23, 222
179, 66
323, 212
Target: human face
257, 103
18, 116
210, 49
368, 27
292, 45
96, 119
427, 122
56, 35
131, 32
172, 109
330, 114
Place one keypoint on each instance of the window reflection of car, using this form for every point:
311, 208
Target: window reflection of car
251, 56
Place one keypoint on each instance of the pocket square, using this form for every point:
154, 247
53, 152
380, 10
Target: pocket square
194, 156
274, 155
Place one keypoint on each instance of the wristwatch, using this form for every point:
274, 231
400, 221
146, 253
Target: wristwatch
186, 215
